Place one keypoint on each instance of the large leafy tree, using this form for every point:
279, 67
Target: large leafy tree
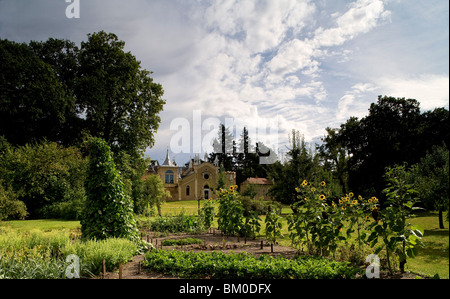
119, 99
431, 179
58, 91
33, 103
393, 132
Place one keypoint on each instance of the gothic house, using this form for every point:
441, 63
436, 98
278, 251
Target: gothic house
195, 181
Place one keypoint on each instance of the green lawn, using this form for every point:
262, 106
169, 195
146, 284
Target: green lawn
434, 257
42, 225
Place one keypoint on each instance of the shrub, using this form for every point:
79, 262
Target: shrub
176, 224
231, 211
108, 211
10, 207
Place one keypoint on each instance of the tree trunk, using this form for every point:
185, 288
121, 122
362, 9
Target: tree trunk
441, 220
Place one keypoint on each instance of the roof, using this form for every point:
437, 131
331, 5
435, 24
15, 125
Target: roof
259, 181
167, 161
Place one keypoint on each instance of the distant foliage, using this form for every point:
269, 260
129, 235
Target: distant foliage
45, 176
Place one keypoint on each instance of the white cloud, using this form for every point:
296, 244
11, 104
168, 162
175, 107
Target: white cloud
363, 16
429, 89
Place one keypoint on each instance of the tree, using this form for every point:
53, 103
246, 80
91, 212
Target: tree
120, 100
289, 175
431, 179
247, 159
224, 148
63, 57
393, 132
154, 193
108, 211
33, 102
335, 158
45, 176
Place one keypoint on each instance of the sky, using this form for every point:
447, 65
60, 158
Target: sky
269, 65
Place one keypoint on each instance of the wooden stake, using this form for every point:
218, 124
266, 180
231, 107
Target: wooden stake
262, 244
120, 270
104, 268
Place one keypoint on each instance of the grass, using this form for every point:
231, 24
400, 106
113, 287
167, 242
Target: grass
434, 257
44, 225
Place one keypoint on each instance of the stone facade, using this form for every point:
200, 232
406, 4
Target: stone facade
196, 181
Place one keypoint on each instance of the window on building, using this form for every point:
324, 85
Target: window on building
206, 175
188, 190
169, 177
206, 192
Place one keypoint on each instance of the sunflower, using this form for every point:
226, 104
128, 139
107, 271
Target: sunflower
323, 184
306, 198
354, 201
359, 197
322, 197
231, 187
344, 208
304, 183
374, 199
351, 194
313, 189
341, 200
297, 189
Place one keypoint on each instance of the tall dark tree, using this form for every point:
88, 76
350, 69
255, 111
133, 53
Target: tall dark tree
62, 56
247, 161
290, 174
224, 148
33, 102
393, 132
120, 100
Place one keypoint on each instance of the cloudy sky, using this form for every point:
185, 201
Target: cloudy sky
301, 64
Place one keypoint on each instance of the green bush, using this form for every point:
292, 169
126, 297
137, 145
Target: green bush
180, 223
10, 207
221, 265
184, 241
42, 175
108, 211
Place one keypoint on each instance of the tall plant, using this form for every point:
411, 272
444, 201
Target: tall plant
231, 211
399, 236
108, 211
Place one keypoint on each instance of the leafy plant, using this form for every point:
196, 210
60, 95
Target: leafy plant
108, 211
176, 224
273, 226
206, 214
231, 211
217, 264
398, 235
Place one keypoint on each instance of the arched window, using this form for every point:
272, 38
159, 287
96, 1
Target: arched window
169, 177
206, 192
188, 190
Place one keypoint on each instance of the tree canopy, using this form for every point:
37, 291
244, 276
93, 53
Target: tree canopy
61, 92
